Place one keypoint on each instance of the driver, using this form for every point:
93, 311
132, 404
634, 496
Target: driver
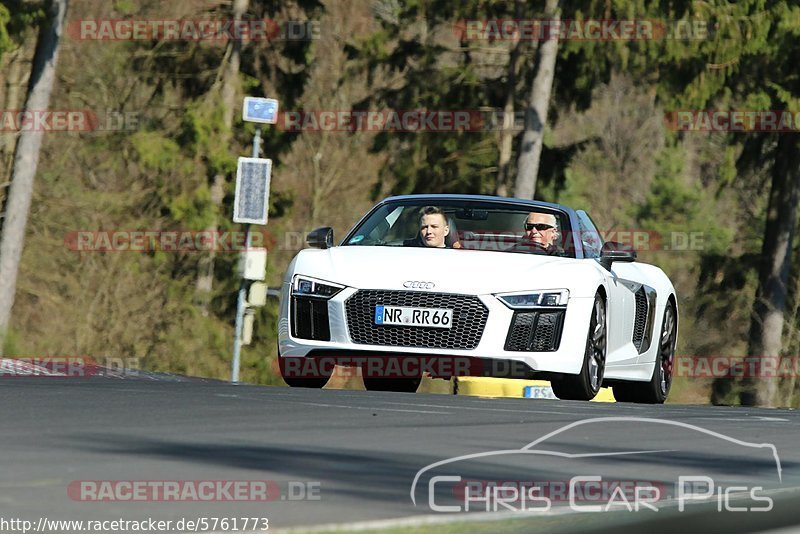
541, 233
433, 229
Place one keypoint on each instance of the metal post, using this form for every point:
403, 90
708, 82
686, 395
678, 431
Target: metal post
257, 141
242, 299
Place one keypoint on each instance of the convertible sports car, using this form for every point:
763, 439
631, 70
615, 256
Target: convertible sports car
453, 285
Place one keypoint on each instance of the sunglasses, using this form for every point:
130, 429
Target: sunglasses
539, 226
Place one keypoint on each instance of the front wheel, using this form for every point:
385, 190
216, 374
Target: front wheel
586, 384
304, 373
657, 389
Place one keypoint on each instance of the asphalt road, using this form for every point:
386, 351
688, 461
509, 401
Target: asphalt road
356, 454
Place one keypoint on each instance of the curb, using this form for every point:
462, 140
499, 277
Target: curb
514, 388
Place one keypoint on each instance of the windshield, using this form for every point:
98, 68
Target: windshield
467, 225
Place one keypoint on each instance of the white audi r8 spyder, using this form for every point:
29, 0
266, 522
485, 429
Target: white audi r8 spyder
461, 284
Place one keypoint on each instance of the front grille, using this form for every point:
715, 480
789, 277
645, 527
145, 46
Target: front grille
469, 320
640, 320
538, 331
310, 319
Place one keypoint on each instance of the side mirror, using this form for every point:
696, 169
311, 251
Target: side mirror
613, 251
320, 238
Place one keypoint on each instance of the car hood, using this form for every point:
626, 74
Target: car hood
458, 271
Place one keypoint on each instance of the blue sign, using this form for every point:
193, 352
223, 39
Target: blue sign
263, 110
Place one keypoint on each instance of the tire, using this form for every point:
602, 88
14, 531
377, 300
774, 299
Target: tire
657, 389
399, 385
586, 384
317, 381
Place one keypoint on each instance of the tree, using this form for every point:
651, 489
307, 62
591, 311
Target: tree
530, 149
740, 61
507, 132
742, 65
422, 59
17, 18
26, 159
766, 327
755, 44
229, 90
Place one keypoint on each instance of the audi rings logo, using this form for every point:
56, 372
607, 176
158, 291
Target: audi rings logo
411, 284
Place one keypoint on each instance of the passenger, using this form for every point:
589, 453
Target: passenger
541, 234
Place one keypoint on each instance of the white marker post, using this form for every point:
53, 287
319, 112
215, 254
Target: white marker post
251, 206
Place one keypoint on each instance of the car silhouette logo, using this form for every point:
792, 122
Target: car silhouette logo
533, 448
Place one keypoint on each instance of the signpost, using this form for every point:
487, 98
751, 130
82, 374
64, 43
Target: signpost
252, 190
262, 110
251, 206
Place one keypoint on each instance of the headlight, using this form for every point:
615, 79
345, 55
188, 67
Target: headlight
311, 287
538, 299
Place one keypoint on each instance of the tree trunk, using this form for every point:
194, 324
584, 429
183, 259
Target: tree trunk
26, 160
230, 86
507, 133
15, 78
766, 324
530, 149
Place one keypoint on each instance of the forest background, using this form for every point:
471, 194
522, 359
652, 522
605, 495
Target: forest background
163, 157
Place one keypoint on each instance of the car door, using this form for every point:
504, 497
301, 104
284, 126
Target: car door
621, 302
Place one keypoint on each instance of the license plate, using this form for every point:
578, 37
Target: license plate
404, 316
539, 392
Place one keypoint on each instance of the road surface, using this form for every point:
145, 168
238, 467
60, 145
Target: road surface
350, 457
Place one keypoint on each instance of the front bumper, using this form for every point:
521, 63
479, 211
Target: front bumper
490, 352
